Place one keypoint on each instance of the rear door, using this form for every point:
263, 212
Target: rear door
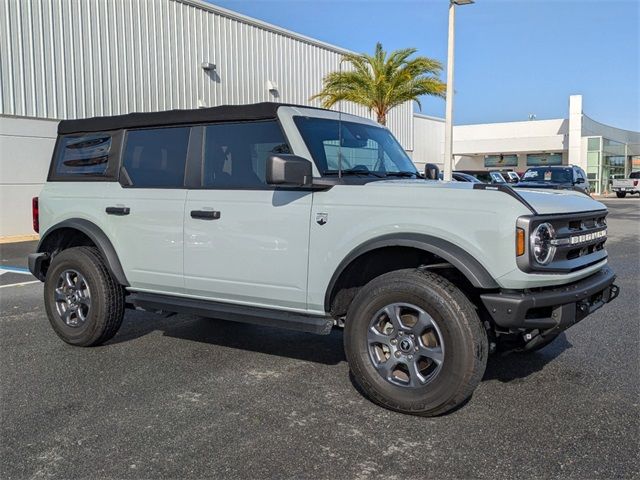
146, 209
245, 241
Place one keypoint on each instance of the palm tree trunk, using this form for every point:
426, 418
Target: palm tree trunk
382, 117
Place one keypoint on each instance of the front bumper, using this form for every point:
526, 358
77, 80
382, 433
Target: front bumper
555, 308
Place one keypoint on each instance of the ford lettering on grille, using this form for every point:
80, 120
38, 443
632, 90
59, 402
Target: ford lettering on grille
587, 237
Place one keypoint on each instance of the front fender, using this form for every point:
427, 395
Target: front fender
458, 257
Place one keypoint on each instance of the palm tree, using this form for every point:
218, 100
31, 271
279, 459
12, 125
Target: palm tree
381, 82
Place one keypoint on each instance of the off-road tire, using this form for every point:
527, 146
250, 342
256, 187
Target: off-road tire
465, 340
621, 194
107, 297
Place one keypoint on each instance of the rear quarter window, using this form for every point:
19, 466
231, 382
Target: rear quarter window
83, 155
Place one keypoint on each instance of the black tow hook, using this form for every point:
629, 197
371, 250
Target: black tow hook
614, 291
583, 307
533, 342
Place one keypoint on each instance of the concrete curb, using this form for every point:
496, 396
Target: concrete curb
19, 238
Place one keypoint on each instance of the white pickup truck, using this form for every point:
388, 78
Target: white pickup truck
629, 185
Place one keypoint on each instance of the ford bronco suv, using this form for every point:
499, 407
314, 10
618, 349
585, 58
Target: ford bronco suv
307, 219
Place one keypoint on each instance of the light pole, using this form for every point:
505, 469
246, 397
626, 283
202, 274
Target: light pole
448, 122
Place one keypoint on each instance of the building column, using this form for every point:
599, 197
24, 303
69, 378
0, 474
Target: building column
575, 132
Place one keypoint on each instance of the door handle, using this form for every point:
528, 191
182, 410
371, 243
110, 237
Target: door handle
205, 214
118, 210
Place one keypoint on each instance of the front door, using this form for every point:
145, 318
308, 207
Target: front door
245, 242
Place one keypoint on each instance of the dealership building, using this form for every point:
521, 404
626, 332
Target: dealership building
64, 59
603, 151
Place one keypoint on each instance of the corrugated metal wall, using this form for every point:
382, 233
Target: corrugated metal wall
81, 58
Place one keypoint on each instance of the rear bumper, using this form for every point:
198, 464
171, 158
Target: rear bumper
35, 261
625, 189
555, 308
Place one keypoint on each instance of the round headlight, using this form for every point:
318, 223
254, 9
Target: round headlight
543, 250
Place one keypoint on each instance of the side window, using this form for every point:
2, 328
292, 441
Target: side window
84, 155
235, 154
156, 157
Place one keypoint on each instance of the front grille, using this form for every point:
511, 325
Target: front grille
579, 238
579, 241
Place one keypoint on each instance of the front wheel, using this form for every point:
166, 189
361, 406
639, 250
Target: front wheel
84, 303
415, 343
621, 194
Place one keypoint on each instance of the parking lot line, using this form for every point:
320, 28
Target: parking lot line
8, 268
19, 284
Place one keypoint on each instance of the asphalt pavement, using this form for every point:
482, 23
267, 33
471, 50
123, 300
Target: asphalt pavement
186, 397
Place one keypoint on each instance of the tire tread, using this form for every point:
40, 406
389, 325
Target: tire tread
109, 323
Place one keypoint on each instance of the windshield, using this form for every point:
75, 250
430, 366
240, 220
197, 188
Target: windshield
359, 149
548, 175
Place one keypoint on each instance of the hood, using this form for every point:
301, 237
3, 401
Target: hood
549, 201
544, 201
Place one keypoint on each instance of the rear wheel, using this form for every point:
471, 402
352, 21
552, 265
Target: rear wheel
414, 343
84, 303
621, 194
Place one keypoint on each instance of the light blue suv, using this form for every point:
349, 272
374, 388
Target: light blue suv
304, 218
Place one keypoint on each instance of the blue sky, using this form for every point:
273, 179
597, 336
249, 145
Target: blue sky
513, 57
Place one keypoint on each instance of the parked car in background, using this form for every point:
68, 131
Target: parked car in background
464, 177
485, 177
509, 176
513, 177
630, 185
461, 177
556, 177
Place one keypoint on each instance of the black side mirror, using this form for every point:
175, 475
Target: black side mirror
289, 170
579, 180
431, 171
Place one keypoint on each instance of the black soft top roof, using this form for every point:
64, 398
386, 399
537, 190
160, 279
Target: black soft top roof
224, 113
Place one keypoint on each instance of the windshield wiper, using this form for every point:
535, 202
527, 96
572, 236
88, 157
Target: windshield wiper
354, 172
402, 174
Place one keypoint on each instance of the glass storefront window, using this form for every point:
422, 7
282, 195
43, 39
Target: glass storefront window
593, 144
536, 160
613, 162
612, 147
501, 161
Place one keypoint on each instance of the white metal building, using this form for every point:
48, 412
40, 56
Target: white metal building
65, 59
73, 59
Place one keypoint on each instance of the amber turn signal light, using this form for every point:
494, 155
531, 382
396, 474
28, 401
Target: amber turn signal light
519, 242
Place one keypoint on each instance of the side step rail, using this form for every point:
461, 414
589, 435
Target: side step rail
236, 313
